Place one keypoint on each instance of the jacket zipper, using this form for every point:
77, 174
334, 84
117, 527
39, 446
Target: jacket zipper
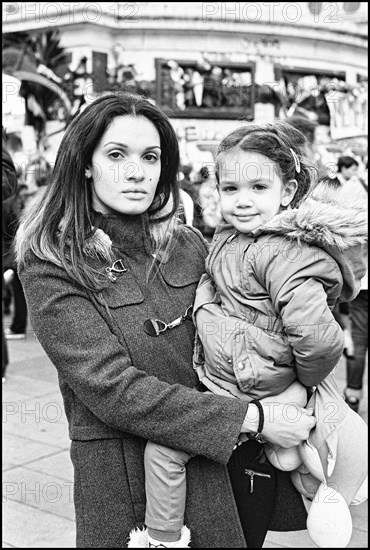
229, 239
252, 473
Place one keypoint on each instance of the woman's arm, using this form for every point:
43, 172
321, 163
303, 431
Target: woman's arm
98, 369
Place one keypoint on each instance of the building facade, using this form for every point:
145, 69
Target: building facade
212, 65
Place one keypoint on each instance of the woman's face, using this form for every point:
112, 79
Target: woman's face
126, 166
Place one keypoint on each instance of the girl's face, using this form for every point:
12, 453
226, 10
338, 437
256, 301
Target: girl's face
126, 166
251, 190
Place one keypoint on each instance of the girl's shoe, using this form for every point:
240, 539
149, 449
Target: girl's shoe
139, 539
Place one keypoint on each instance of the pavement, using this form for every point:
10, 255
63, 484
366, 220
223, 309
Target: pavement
37, 472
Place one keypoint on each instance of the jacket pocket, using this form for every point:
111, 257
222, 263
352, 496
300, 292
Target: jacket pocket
181, 278
257, 355
123, 291
218, 334
186, 261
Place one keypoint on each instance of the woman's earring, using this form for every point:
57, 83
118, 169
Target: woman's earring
88, 173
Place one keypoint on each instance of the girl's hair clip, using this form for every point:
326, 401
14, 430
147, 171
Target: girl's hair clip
296, 161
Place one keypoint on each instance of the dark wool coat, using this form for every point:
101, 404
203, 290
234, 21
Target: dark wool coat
121, 387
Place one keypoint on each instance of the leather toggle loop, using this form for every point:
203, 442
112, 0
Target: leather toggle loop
154, 327
115, 270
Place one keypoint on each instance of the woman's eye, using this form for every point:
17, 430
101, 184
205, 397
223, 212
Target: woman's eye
116, 155
151, 157
228, 189
260, 187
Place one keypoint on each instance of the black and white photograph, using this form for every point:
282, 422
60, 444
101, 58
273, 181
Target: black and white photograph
185, 274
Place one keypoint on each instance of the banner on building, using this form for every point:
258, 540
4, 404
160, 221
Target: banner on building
348, 114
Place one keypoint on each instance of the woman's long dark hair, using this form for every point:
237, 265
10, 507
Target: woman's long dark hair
58, 229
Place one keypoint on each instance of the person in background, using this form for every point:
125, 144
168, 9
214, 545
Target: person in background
8, 237
11, 213
359, 318
209, 201
38, 172
355, 364
347, 169
186, 207
308, 129
36, 178
9, 187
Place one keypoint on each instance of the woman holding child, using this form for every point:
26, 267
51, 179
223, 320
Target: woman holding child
109, 276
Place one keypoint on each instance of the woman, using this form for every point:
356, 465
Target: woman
105, 269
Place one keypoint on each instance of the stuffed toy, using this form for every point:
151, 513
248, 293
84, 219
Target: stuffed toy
330, 468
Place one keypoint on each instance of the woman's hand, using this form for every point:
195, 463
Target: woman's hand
286, 422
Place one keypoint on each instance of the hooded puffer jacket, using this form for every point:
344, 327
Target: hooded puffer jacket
263, 310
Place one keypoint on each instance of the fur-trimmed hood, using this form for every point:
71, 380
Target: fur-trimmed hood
334, 219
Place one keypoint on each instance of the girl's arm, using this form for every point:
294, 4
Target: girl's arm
299, 281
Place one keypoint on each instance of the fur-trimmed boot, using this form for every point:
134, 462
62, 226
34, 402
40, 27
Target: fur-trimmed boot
139, 539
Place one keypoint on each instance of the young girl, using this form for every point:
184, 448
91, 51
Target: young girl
263, 313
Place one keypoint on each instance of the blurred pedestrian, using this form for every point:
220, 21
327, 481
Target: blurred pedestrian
209, 201
347, 169
36, 178
356, 363
359, 319
11, 212
347, 174
186, 207
8, 237
9, 187
38, 172
308, 128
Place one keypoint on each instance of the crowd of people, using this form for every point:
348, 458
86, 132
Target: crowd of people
146, 295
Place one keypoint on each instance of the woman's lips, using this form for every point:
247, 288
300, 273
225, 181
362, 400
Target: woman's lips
139, 191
